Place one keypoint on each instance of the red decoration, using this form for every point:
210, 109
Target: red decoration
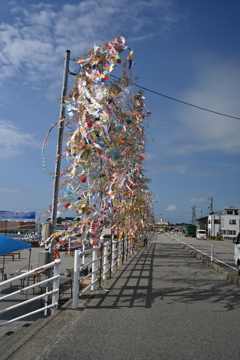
83, 179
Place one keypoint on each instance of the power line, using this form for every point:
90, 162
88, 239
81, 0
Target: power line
174, 99
182, 102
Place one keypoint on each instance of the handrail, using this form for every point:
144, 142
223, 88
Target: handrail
30, 272
116, 256
29, 287
29, 314
54, 292
204, 253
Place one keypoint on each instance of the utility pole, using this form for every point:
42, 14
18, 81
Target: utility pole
211, 205
59, 145
193, 215
211, 213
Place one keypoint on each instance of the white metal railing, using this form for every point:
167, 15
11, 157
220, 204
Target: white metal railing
211, 254
52, 282
112, 254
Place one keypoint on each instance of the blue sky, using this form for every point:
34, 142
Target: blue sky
185, 49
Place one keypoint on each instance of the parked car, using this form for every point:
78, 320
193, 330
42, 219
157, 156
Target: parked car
237, 253
201, 234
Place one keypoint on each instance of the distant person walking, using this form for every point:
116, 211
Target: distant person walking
145, 240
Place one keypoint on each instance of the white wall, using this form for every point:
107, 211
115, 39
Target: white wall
224, 228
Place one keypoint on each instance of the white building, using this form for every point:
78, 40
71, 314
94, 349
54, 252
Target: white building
226, 224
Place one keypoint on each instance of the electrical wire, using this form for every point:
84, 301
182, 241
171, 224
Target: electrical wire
174, 99
182, 102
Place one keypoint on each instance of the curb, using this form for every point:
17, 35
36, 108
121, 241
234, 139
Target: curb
33, 330
229, 274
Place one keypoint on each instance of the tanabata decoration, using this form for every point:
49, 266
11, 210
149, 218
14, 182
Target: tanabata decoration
45, 141
104, 182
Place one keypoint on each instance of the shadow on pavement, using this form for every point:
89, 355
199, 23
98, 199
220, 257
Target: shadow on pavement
166, 273
132, 285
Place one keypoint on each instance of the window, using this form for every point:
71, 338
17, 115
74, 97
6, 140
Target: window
223, 232
231, 232
232, 222
217, 221
229, 212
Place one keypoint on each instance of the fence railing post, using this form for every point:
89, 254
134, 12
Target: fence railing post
105, 258
119, 252
83, 256
101, 265
55, 296
94, 267
212, 253
76, 279
113, 255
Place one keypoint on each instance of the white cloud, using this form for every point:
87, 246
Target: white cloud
148, 156
13, 141
36, 42
10, 191
205, 173
217, 88
172, 208
160, 167
179, 168
194, 200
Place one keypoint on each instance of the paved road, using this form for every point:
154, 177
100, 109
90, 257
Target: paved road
163, 304
223, 250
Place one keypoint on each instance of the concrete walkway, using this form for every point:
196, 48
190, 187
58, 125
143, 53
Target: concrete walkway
163, 304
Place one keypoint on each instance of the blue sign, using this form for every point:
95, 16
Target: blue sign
17, 215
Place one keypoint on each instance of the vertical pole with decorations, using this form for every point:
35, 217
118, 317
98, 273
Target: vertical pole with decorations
59, 145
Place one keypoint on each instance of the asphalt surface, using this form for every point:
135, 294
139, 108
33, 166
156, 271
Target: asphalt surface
223, 249
163, 304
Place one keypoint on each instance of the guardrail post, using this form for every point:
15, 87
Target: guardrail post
55, 296
105, 252
123, 250
119, 251
131, 247
83, 256
212, 253
76, 279
101, 264
94, 267
113, 256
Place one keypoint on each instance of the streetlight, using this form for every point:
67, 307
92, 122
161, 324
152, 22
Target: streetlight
38, 226
157, 215
155, 218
